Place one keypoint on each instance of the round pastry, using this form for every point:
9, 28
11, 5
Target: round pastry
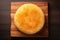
29, 18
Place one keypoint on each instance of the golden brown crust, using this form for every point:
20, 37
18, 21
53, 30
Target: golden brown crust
29, 18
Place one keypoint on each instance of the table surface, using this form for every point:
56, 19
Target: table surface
14, 31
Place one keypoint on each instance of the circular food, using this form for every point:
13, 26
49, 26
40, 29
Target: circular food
29, 18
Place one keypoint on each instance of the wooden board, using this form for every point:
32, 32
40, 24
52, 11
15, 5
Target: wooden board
14, 31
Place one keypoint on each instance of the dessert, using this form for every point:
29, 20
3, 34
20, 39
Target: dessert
29, 18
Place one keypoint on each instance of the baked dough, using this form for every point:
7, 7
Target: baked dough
29, 18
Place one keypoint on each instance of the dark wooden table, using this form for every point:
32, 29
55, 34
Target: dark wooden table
54, 18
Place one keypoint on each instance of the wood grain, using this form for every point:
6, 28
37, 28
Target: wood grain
14, 30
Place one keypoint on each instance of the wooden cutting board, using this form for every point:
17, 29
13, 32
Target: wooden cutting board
14, 31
